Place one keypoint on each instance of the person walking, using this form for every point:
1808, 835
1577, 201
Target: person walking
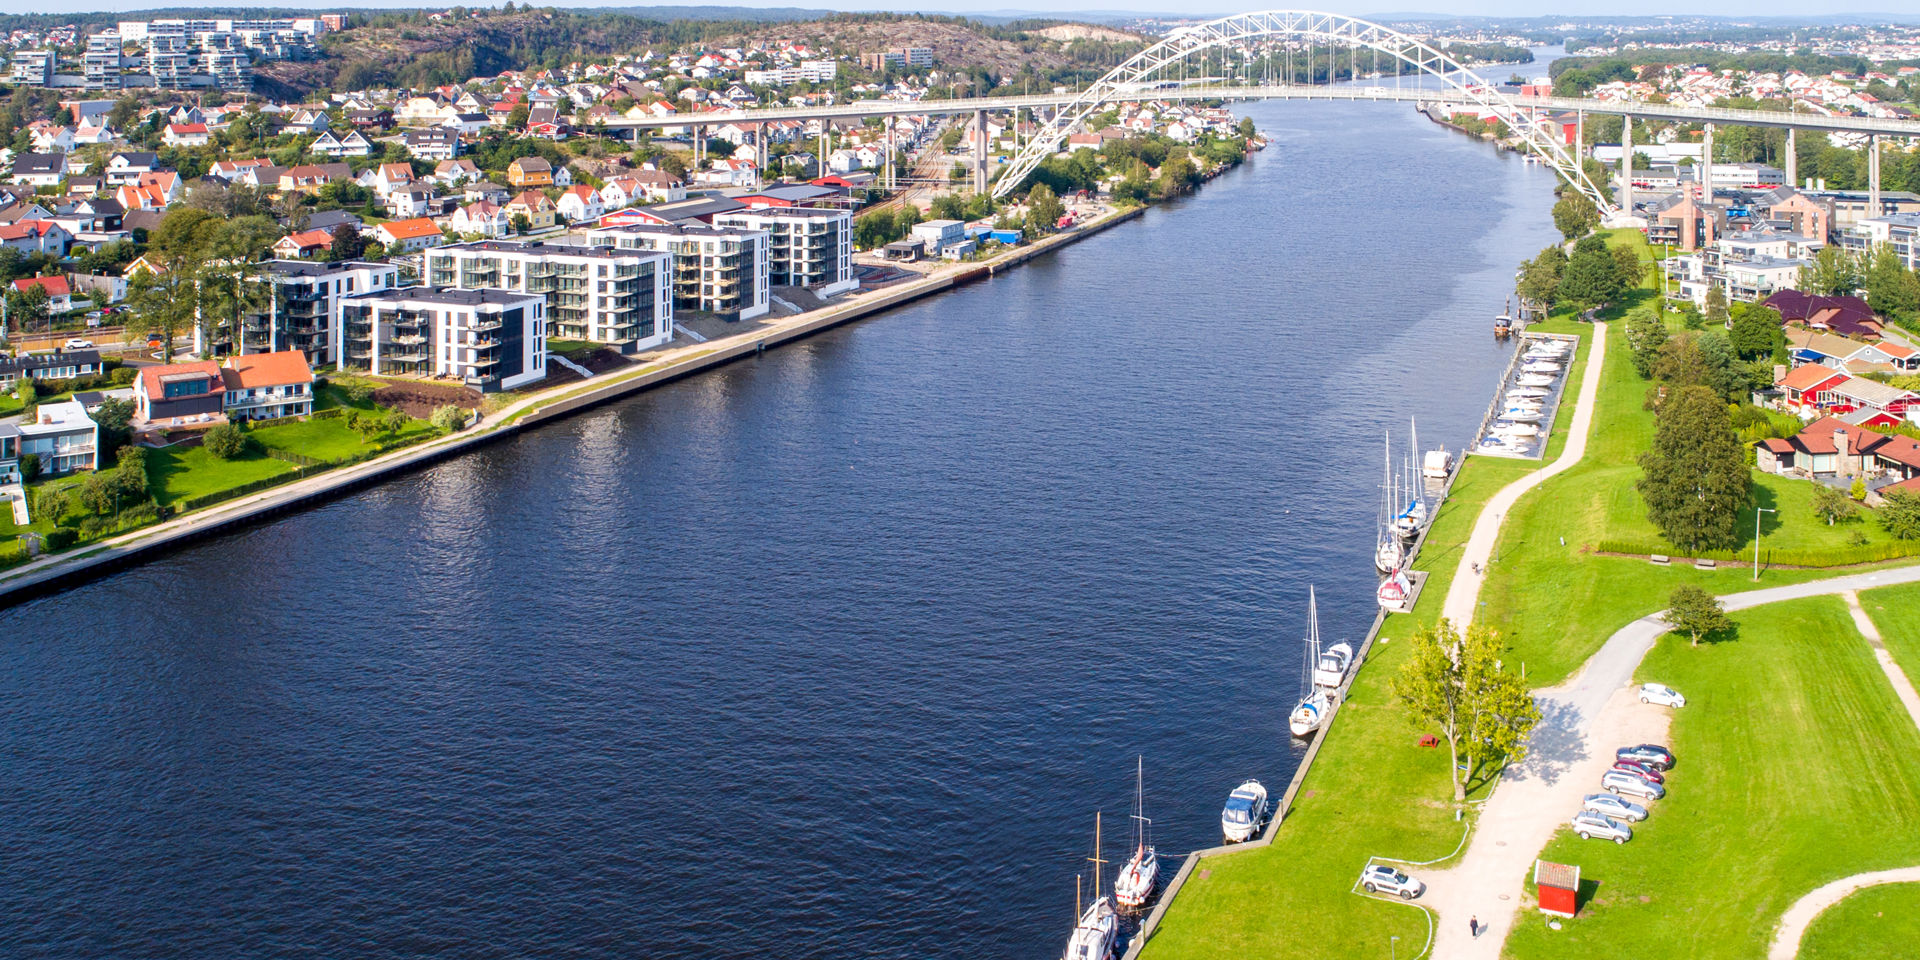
1473, 927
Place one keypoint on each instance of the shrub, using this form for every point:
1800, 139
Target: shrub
58, 539
1859, 489
30, 466
359, 392
124, 376
226, 441
449, 418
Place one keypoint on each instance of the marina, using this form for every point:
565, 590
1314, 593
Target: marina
1521, 413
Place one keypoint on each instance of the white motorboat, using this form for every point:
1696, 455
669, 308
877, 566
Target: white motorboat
1533, 380
1491, 448
1093, 936
1394, 590
1246, 808
1334, 663
1437, 464
1521, 414
1524, 403
1540, 366
1134, 886
1528, 393
1507, 429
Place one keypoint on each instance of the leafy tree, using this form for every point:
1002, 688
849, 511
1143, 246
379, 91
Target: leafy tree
1717, 315
949, 206
1831, 505
50, 503
521, 223
226, 441
1691, 317
1575, 215
348, 243
1892, 289
1591, 277
1695, 479
1628, 267
30, 466
449, 418
29, 308
115, 420
1900, 514
1456, 685
1833, 272
1646, 335
1044, 209
1540, 277
1178, 175
1756, 331
1695, 612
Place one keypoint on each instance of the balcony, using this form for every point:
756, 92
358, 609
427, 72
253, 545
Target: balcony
485, 326
487, 344
410, 339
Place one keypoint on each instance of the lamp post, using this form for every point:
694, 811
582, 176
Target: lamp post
1756, 539
1395, 948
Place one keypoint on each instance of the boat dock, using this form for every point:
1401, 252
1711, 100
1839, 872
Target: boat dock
1499, 436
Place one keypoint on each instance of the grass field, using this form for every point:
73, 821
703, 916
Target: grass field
1797, 767
174, 475
329, 439
1877, 923
1896, 612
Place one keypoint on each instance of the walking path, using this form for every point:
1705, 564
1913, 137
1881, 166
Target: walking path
1464, 594
1800, 916
1895, 675
1582, 722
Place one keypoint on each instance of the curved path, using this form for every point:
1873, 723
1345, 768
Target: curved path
1464, 593
1581, 721
1800, 916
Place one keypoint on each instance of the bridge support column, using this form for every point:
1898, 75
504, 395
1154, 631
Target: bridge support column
1706, 166
1873, 176
1626, 165
1580, 137
699, 146
980, 151
1793, 160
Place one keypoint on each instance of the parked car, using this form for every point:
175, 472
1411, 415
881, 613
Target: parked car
1652, 755
1379, 879
1643, 771
79, 343
1662, 695
1619, 808
1631, 784
1589, 825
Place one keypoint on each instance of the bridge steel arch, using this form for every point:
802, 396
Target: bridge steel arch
1122, 83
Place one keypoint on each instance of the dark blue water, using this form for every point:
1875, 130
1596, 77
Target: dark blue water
831, 653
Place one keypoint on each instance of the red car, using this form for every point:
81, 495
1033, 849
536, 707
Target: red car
1641, 770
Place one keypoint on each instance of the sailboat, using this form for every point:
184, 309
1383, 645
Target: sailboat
1389, 554
1093, 937
1314, 701
1417, 508
1134, 885
1394, 590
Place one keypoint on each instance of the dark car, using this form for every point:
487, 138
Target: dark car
1653, 755
1645, 771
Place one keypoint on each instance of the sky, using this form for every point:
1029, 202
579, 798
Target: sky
1066, 8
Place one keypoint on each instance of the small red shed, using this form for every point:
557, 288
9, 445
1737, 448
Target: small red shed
1559, 886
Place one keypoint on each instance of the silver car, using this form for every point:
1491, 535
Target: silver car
1632, 785
1660, 694
1608, 805
1379, 879
1591, 825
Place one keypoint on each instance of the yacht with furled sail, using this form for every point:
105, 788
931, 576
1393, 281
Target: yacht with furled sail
1315, 702
1134, 886
1389, 553
1093, 936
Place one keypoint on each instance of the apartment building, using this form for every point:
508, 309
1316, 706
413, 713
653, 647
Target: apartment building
597, 293
488, 339
718, 270
809, 71
102, 63
31, 68
807, 247
1900, 231
303, 312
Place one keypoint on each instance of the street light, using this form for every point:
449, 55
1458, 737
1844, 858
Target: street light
1756, 539
1395, 948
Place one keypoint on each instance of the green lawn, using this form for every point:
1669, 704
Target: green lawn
334, 394
1896, 612
175, 474
1874, 924
568, 348
328, 439
1798, 766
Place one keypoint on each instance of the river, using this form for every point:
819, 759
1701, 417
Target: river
835, 652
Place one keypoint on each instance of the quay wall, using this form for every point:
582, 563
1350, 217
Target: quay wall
99, 560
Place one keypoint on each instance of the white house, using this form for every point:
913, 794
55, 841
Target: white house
580, 202
484, 218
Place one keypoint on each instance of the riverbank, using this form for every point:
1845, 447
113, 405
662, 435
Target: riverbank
50, 573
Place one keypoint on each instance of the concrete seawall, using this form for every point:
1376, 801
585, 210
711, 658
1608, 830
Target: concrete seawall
140, 546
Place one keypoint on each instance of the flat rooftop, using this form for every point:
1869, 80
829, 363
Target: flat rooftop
451, 296
545, 249
308, 268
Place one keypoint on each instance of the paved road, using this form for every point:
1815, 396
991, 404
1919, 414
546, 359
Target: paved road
1463, 596
1583, 721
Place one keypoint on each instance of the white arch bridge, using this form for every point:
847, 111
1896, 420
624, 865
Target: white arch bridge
1338, 34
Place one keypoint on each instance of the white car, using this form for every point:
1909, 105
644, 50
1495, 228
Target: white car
1631, 784
1378, 879
1590, 825
79, 343
1608, 805
1662, 695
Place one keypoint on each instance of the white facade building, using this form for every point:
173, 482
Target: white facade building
487, 339
807, 247
593, 293
720, 270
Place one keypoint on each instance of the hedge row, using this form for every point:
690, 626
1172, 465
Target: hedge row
1830, 557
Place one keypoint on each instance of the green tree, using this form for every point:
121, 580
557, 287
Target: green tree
949, 206
1717, 315
29, 308
348, 243
1695, 479
1831, 505
1456, 685
1628, 267
226, 441
449, 418
1892, 289
1756, 331
1575, 215
1540, 277
1591, 278
1044, 209
1695, 612
1646, 336
1900, 514
1178, 175
1833, 272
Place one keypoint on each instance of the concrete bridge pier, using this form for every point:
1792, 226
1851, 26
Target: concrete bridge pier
1706, 166
1793, 160
1626, 165
1873, 175
1580, 137
980, 151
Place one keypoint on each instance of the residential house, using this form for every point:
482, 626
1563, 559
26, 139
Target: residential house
482, 218
303, 244
129, 167
179, 394
186, 135
595, 293
534, 206
807, 246
36, 236
58, 365
62, 436
59, 293
387, 177
309, 178
402, 236
408, 200
530, 172
1833, 447
453, 173
579, 203
350, 145
718, 270
436, 144
267, 386
39, 169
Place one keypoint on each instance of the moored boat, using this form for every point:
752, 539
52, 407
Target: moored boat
1521, 414
1394, 591
1528, 393
1246, 808
1437, 464
1540, 366
1099, 926
1134, 886
1533, 380
1509, 429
